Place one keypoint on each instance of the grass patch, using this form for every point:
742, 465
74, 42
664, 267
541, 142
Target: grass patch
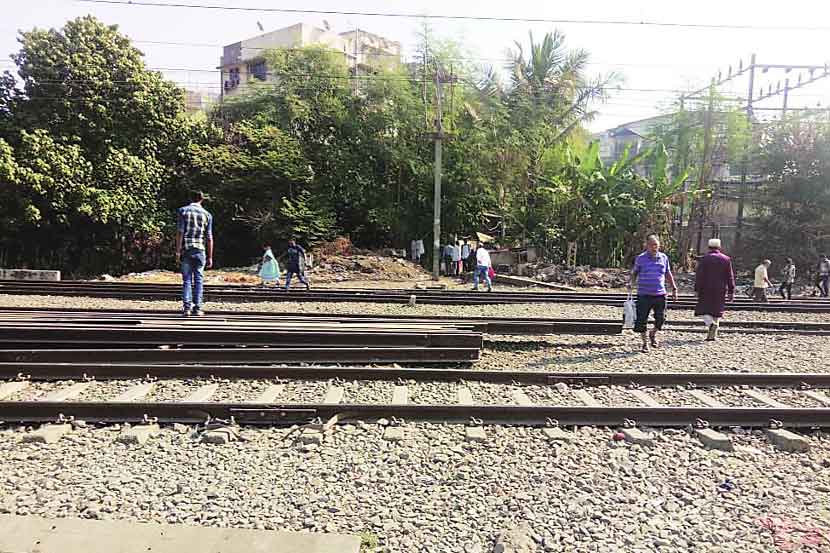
368, 541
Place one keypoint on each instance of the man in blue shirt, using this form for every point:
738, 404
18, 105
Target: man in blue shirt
651, 269
295, 264
194, 249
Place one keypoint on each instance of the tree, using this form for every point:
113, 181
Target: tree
248, 170
607, 211
703, 140
792, 208
95, 142
548, 98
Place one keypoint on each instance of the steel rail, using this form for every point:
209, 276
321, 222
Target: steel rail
55, 334
109, 371
276, 414
484, 325
441, 298
127, 315
448, 332
174, 287
243, 355
236, 288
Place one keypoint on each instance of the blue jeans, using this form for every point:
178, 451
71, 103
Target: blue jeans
484, 273
289, 273
193, 272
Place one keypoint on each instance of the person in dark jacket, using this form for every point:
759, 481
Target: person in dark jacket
714, 286
295, 264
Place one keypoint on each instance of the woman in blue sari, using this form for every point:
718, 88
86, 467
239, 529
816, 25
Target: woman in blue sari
269, 271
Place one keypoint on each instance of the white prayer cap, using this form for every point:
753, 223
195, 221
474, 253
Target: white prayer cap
714, 243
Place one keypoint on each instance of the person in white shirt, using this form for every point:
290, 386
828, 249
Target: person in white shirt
483, 264
759, 291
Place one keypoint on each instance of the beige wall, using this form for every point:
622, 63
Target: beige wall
372, 49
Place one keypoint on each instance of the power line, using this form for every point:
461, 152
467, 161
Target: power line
642, 23
672, 66
366, 77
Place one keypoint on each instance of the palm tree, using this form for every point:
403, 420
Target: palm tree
553, 80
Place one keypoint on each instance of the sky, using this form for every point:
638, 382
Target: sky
652, 61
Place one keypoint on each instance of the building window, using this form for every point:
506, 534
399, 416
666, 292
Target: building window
258, 70
233, 79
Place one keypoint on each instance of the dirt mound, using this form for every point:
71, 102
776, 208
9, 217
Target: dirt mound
583, 277
338, 268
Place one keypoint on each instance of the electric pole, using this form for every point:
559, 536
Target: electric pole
438, 137
705, 165
745, 157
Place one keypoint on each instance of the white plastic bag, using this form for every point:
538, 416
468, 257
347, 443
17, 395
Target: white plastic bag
629, 312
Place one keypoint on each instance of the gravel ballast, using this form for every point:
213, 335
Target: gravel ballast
436, 492
524, 310
433, 491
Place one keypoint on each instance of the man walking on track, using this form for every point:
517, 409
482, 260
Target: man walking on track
194, 249
824, 276
482, 271
296, 264
651, 269
788, 274
714, 286
759, 290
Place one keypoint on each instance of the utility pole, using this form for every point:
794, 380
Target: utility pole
745, 157
705, 164
438, 137
679, 229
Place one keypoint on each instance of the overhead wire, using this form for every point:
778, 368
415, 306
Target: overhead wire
618, 22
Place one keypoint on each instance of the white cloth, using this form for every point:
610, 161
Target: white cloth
416, 249
709, 320
761, 276
483, 258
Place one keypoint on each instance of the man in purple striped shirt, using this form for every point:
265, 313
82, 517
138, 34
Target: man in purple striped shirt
651, 269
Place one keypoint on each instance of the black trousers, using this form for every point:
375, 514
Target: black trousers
788, 288
645, 304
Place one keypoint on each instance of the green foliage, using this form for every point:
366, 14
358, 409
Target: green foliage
368, 541
96, 152
606, 210
92, 141
792, 210
306, 220
701, 154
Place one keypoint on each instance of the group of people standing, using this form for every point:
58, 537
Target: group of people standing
456, 258
460, 257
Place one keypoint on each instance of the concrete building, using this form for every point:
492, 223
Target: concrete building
199, 100
634, 135
243, 62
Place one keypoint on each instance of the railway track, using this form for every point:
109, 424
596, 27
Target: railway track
536, 399
150, 291
140, 319
483, 325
